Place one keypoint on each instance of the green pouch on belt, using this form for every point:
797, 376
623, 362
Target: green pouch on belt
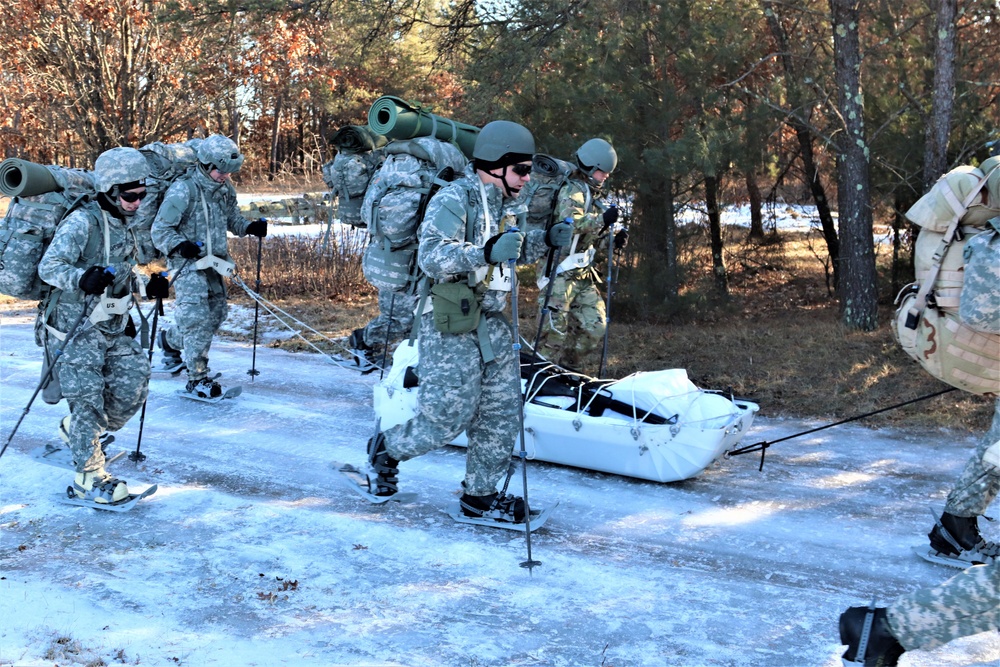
456, 308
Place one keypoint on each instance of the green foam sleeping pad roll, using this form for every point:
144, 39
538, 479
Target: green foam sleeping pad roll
398, 119
20, 178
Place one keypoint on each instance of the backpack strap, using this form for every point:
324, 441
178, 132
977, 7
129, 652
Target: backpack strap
959, 208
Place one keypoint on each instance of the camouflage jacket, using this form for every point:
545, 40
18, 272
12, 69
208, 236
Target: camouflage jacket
444, 252
182, 216
576, 202
78, 244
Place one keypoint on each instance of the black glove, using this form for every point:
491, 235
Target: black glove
258, 228
187, 250
95, 279
158, 287
621, 239
610, 216
503, 247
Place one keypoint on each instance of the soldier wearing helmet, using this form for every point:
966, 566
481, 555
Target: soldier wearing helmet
103, 372
468, 370
190, 229
575, 317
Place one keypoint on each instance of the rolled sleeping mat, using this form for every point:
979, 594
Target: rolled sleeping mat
395, 118
357, 139
20, 178
546, 165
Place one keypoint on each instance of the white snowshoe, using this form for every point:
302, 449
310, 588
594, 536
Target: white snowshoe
208, 390
955, 541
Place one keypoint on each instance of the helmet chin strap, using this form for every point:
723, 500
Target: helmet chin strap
503, 179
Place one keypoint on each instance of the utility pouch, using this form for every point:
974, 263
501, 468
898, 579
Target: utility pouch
456, 308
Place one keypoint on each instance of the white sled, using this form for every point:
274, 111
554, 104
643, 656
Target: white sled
657, 425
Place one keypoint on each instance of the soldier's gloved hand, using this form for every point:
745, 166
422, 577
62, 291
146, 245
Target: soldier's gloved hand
610, 216
503, 247
621, 239
258, 228
187, 250
559, 234
96, 279
158, 287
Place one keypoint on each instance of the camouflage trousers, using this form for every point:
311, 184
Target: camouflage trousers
105, 379
394, 320
573, 329
199, 310
966, 604
458, 392
977, 486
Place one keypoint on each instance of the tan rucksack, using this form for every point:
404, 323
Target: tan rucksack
927, 322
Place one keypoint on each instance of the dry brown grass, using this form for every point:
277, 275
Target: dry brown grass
776, 340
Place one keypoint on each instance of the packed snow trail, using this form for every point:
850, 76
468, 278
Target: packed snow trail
250, 552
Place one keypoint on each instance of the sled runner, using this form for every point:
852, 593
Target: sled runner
657, 426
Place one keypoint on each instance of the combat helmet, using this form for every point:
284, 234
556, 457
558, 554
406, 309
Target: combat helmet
220, 153
503, 141
119, 166
596, 154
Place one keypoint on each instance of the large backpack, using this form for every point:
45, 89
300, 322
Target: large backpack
359, 156
928, 323
28, 228
394, 206
166, 162
548, 176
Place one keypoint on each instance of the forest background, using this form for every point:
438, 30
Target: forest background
852, 108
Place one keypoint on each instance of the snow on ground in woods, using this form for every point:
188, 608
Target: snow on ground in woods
251, 553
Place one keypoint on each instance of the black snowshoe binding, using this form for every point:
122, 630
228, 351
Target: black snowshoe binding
499, 507
204, 388
386, 469
865, 632
364, 354
957, 538
171, 361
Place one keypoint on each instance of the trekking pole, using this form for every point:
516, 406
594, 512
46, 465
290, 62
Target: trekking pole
385, 351
55, 359
764, 444
607, 304
522, 454
138, 456
253, 372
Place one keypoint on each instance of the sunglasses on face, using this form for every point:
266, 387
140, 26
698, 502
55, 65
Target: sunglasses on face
132, 197
521, 170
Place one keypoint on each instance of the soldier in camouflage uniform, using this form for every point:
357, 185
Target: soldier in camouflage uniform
190, 229
103, 372
956, 533
393, 323
576, 319
469, 381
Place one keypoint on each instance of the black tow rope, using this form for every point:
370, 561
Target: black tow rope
764, 444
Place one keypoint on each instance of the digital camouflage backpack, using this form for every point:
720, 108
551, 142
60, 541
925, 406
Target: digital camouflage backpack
952, 341
548, 176
394, 206
31, 221
359, 156
166, 162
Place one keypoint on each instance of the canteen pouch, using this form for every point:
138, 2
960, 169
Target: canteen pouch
456, 308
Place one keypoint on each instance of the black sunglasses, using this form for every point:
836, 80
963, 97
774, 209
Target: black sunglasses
132, 197
521, 169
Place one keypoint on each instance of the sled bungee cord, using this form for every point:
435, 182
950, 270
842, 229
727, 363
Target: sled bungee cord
274, 311
764, 444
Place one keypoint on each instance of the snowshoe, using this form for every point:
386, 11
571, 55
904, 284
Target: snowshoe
498, 510
364, 354
171, 362
204, 392
62, 457
865, 632
379, 483
124, 505
955, 541
99, 487
360, 481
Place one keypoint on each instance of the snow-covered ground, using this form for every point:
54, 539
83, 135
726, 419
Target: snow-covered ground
251, 553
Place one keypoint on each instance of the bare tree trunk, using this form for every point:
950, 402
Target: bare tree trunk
719, 273
938, 128
858, 290
272, 167
805, 138
756, 202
